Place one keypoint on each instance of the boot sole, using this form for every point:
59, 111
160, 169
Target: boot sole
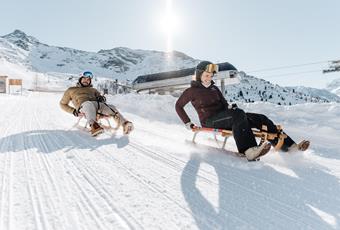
97, 133
263, 152
129, 129
304, 145
265, 149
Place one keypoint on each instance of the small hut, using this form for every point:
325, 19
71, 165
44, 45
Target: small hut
3, 84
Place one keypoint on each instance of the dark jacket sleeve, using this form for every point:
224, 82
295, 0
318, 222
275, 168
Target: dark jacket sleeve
181, 102
223, 100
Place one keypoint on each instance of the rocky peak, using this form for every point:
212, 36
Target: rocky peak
21, 39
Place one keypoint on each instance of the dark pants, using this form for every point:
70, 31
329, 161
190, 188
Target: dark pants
241, 123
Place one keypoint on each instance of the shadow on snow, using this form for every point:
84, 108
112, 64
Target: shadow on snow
260, 197
49, 141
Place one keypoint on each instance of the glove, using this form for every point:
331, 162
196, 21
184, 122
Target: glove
75, 113
190, 125
101, 98
232, 106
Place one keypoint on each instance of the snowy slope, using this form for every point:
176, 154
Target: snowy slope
253, 89
56, 177
334, 87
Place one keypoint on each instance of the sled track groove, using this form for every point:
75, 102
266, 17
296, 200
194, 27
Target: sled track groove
93, 180
283, 209
5, 211
144, 181
34, 196
171, 164
87, 204
87, 174
82, 204
50, 188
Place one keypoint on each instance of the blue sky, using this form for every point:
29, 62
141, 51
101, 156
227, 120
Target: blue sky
252, 35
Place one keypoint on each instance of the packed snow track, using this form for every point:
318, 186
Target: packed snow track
53, 176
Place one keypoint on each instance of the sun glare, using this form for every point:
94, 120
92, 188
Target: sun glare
169, 25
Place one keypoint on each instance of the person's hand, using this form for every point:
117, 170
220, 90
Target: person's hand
101, 98
232, 106
75, 113
190, 125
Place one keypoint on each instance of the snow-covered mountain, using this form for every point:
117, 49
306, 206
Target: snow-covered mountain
119, 63
334, 86
254, 89
41, 65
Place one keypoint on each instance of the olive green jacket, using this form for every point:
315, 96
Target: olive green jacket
77, 95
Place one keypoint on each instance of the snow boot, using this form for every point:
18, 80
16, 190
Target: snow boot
254, 153
302, 146
127, 127
96, 129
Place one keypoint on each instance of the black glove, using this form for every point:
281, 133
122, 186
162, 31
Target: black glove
190, 125
101, 98
75, 112
232, 106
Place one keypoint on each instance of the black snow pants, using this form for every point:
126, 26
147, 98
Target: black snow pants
241, 123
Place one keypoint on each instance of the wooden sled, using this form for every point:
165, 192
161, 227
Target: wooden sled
103, 120
263, 134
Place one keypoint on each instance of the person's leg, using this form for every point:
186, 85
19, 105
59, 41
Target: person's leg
235, 120
242, 132
257, 120
109, 109
221, 120
89, 108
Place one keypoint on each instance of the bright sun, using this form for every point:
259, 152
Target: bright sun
169, 24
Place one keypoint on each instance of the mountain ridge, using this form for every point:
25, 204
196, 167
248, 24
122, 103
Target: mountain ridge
125, 64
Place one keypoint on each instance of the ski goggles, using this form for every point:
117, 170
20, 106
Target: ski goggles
88, 74
211, 68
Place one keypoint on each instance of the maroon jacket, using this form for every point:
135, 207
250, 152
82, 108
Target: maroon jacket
206, 101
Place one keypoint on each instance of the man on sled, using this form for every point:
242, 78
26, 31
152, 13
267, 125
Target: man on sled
88, 102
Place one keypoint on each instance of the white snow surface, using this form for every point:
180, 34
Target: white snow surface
53, 176
334, 86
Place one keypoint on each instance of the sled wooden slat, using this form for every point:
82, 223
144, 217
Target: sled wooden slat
101, 117
262, 134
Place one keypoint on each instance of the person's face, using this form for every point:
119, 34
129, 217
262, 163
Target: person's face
206, 77
85, 81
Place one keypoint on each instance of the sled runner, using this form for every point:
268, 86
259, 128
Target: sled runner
105, 122
263, 134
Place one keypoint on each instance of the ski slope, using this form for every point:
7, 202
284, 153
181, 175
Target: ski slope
53, 176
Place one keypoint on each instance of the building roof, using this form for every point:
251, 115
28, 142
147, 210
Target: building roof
225, 66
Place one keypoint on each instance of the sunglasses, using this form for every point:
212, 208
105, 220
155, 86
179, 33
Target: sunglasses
88, 74
211, 68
